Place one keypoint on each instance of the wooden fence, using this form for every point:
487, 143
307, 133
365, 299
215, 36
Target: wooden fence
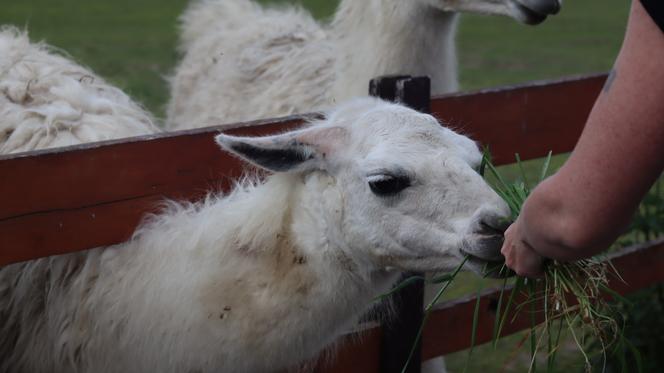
70, 199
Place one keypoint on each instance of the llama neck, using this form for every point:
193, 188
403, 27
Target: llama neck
345, 281
269, 254
343, 274
393, 37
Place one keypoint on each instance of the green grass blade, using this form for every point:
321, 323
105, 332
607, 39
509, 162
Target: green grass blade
518, 284
496, 174
556, 343
545, 167
496, 322
401, 285
579, 344
440, 279
486, 158
521, 194
547, 326
522, 171
473, 335
615, 271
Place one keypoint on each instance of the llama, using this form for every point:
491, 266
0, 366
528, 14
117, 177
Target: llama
272, 273
46, 100
242, 61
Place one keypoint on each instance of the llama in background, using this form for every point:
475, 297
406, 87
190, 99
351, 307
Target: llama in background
243, 61
47, 101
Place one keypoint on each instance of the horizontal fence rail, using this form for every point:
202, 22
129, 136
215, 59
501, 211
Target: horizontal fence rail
530, 120
69, 199
76, 198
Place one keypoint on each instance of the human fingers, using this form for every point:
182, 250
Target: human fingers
519, 256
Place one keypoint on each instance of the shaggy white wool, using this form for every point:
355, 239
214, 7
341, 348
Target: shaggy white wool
269, 275
245, 62
46, 100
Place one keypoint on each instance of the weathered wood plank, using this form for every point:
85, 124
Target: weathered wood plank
93, 173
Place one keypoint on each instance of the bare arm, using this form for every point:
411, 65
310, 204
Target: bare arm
585, 206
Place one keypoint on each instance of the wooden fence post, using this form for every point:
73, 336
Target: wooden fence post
400, 333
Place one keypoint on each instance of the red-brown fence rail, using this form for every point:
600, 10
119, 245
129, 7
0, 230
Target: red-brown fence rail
70, 199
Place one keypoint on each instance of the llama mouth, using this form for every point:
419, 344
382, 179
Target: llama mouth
534, 12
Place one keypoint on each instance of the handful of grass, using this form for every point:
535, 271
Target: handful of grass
570, 296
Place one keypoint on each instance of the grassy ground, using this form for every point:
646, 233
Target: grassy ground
584, 37
132, 44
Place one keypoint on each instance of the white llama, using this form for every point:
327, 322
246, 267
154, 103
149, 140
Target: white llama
269, 275
242, 61
47, 101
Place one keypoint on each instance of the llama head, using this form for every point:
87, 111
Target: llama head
401, 191
527, 11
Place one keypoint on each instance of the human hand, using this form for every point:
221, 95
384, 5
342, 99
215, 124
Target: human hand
519, 256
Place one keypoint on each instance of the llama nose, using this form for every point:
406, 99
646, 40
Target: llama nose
542, 7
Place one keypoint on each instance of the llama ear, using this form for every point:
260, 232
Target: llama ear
292, 151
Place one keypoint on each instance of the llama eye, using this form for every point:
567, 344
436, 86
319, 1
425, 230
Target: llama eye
387, 185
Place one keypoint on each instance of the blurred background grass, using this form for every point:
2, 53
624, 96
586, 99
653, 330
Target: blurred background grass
132, 43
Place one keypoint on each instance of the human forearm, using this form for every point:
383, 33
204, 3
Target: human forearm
584, 207
553, 227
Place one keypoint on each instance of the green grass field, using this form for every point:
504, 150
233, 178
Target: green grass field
131, 43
